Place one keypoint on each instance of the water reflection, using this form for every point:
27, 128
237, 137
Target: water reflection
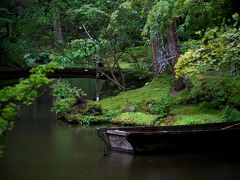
87, 85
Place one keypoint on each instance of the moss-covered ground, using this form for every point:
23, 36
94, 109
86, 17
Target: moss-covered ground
133, 106
195, 106
135, 98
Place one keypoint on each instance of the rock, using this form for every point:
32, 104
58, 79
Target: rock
150, 105
92, 110
130, 108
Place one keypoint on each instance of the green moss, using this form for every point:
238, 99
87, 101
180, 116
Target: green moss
135, 118
217, 88
193, 114
152, 91
187, 108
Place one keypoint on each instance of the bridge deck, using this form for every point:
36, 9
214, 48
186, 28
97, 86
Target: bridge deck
68, 72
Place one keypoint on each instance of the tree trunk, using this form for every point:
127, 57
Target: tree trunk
58, 38
174, 54
160, 53
233, 69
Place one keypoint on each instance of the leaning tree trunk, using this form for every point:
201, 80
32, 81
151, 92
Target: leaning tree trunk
174, 54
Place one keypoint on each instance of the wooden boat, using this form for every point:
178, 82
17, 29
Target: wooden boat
218, 136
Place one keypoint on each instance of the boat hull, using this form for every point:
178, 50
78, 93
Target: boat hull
166, 139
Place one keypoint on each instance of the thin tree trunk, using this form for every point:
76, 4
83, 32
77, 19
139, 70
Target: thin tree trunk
97, 82
174, 54
155, 52
233, 69
58, 38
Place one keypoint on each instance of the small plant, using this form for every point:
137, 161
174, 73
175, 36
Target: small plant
112, 114
230, 114
163, 106
192, 122
86, 120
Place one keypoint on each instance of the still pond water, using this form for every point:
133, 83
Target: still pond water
41, 148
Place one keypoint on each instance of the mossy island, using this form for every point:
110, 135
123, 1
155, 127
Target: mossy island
208, 98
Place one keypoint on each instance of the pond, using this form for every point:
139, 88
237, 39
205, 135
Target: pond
42, 148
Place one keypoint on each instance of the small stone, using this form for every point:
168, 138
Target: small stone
130, 108
150, 105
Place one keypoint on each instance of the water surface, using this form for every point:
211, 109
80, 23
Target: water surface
41, 148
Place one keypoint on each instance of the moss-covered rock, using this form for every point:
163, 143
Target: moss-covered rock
92, 109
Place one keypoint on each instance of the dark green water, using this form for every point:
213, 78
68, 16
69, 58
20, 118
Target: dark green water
41, 148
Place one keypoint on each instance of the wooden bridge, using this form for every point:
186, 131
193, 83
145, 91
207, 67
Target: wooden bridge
67, 72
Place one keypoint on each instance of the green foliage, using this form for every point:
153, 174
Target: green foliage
192, 16
125, 25
216, 88
163, 106
23, 93
65, 96
62, 89
159, 17
89, 15
230, 114
217, 49
36, 59
193, 121
63, 105
10, 55
78, 52
84, 120
112, 114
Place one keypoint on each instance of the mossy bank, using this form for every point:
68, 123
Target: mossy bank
156, 104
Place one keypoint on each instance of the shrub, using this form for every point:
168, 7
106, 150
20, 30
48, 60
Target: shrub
216, 88
163, 106
112, 114
62, 89
65, 96
230, 114
63, 105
